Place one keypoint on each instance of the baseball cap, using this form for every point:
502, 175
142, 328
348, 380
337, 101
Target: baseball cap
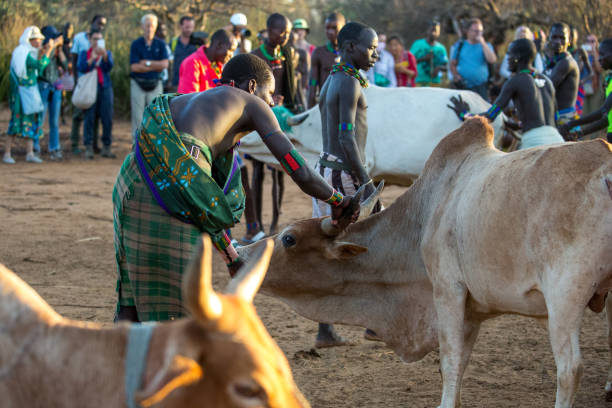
238, 19
301, 23
35, 33
50, 32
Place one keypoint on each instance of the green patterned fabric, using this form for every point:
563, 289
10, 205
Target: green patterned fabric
20, 124
207, 194
152, 249
155, 236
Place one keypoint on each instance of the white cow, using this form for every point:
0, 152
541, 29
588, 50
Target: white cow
405, 124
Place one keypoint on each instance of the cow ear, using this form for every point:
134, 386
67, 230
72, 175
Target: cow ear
179, 372
345, 250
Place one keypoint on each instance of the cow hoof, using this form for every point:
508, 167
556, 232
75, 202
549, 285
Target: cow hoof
327, 337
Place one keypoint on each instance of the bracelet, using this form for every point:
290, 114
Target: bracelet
335, 199
346, 126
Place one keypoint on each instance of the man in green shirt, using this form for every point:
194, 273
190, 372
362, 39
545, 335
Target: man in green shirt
431, 57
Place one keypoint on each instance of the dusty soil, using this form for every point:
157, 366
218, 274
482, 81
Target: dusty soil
56, 233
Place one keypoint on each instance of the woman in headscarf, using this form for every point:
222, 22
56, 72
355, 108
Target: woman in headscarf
26, 63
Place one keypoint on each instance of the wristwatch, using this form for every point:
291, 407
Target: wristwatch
147, 63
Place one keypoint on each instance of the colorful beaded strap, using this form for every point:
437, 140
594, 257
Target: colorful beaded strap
331, 48
216, 68
274, 59
493, 111
346, 126
528, 71
351, 71
335, 199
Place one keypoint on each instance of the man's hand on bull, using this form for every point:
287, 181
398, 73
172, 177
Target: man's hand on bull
512, 124
564, 130
460, 107
345, 213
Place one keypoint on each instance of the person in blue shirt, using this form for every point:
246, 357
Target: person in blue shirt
470, 59
148, 58
99, 58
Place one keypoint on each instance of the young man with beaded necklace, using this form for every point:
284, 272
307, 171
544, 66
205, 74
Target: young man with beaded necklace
533, 95
563, 71
279, 58
324, 57
344, 126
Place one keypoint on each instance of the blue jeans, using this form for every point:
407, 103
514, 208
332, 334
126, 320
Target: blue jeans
104, 108
52, 99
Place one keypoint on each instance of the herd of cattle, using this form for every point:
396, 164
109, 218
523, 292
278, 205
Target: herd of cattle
480, 233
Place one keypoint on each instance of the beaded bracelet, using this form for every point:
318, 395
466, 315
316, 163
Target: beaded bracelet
346, 126
313, 82
335, 199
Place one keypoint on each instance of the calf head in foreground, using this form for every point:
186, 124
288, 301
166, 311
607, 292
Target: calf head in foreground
221, 356
481, 233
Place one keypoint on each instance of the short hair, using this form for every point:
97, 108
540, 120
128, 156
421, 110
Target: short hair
351, 32
96, 17
433, 22
473, 21
276, 18
244, 67
149, 16
94, 31
607, 44
221, 36
396, 38
185, 18
525, 47
561, 26
336, 16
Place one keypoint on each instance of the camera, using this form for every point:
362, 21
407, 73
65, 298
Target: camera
245, 32
587, 47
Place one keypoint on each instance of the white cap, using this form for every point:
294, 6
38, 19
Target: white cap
238, 19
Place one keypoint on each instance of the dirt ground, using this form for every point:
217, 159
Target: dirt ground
56, 233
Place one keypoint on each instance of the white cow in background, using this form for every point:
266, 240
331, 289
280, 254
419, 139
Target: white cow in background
405, 124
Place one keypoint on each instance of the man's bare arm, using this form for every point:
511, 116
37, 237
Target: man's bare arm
600, 115
284, 151
314, 80
347, 112
560, 72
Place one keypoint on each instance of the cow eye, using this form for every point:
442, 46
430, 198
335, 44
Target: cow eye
248, 391
288, 241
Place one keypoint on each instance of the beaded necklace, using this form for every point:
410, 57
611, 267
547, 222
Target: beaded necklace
556, 58
331, 48
215, 68
528, 71
274, 59
350, 71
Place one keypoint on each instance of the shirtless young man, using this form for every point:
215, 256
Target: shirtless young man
533, 95
279, 58
602, 117
182, 179
344, 125
563, 71
324, 57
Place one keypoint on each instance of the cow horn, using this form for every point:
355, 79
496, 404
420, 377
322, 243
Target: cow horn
368, 204
200, 298
297, 119
328, 228
247, 281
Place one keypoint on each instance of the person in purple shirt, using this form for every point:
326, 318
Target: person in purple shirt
99, 58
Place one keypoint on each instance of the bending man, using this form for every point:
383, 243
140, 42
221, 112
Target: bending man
183, 179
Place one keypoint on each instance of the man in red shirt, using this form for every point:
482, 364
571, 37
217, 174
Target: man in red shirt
200, 69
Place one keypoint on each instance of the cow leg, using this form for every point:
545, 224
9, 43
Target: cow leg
564, 319
257, 188
457, 336
609, 315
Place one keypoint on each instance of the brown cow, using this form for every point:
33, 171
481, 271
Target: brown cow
479, 234
222, 356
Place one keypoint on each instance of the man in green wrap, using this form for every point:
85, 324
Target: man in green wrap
183, 179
